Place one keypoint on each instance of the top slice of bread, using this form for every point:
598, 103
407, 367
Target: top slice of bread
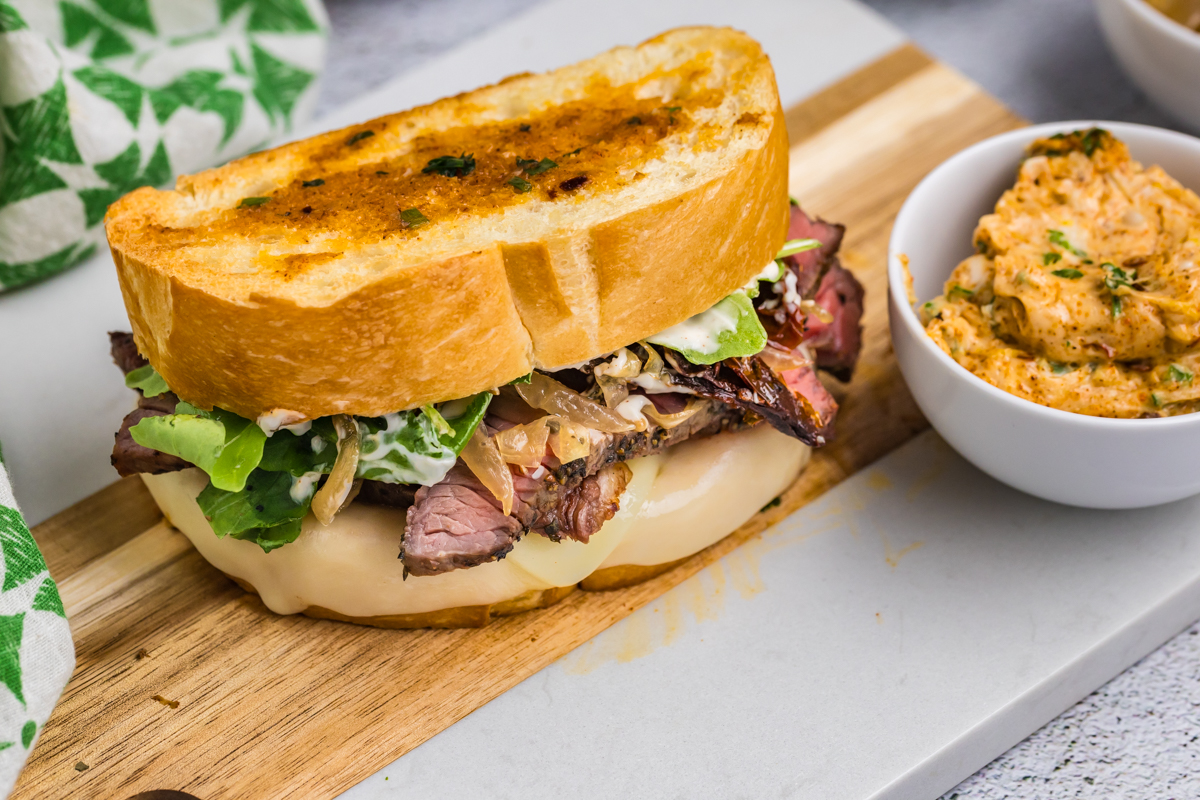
299, 278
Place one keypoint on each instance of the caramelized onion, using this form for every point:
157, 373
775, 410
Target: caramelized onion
331, 497
654, 363
483, 458
568, 440
613, 376
524, 445
641, 407
780, 359
550, 395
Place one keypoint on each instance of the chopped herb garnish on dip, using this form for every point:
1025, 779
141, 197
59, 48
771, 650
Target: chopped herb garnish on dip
1051, 258
962, 290
451, 166
634, 121
524, 128
312, 183
251, 202
520, 184
412, 218
1059, 368
1179, 374
1068, 273
1059, 238
358, 137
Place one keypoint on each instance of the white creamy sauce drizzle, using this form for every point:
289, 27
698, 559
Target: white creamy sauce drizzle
701, 333
318, 444
286, 419
772, 272
304, 487
426, 469
631, 408
652, 384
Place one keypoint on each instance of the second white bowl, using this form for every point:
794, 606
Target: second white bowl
1070, 458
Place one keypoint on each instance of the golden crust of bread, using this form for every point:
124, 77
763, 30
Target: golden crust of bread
322, 299
622, 575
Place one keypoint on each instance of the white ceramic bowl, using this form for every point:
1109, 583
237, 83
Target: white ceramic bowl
1160, 55
1069, 458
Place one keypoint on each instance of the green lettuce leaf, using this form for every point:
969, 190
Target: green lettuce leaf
298, 454
410, 447
221, 443
264, 512
148, 380
729, 329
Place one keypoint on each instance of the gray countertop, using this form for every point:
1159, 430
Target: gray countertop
1137, 736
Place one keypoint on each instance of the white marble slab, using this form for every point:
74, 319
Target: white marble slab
885, 642
61, 399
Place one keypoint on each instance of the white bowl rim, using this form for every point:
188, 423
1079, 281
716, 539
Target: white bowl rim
897, 286
1176, 30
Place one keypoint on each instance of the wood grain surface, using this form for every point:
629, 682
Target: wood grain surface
273, 707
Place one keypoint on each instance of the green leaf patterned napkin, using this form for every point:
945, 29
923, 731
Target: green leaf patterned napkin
36, 653
99, 97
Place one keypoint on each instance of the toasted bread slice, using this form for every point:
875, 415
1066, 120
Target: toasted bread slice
301, 278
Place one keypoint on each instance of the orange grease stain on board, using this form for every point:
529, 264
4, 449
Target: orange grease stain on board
878, 481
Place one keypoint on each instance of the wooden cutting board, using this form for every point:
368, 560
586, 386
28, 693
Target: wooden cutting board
186, 682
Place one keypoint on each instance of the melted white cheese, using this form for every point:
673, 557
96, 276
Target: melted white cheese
676, 504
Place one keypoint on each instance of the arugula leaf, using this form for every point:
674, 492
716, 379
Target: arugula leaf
411, 447
523, 379
264, 513
221, 443
148, 380
296, 455
793, 246
732, 323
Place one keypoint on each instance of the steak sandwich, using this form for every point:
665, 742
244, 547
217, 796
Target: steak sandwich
454, 362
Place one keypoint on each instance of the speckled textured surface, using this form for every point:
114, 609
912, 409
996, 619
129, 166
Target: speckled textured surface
1139, 735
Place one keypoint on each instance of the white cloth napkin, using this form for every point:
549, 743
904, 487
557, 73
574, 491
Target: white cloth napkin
36, 653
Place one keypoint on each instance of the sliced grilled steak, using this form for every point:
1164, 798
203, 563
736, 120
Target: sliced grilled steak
130, 458
609, 448
454, 524
780, 314
124, 352
749, 384
392, 495
810, 266
572, 500
573, 511
836, 343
